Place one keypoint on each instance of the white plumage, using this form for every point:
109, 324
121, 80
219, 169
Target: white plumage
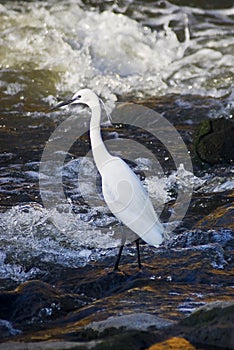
123, 192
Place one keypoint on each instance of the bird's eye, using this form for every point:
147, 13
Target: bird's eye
79, 96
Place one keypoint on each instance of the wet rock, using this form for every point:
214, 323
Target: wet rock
221, 217
175, 343
214, 142
212, 325
35, 302
104, 284
173, 282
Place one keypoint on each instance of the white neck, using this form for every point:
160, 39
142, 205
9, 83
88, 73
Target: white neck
100, 153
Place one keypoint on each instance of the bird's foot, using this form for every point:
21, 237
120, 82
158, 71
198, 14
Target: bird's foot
120, 272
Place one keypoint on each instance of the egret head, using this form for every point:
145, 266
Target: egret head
85, 96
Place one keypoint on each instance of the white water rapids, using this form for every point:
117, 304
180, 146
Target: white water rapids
158, 50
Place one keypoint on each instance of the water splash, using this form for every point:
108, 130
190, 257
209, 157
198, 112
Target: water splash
115, 54
32, 236
8, 329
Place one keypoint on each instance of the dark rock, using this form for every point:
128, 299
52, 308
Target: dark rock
214, 142
173, 282
131, 340
35, 302
212, 324
221, 217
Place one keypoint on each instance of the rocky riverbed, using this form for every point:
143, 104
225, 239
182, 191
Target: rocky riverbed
94, 307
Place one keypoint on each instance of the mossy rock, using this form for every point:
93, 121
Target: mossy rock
211, 325
214, 142
174, 343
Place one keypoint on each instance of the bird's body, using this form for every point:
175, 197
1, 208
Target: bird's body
122, 190
129, 202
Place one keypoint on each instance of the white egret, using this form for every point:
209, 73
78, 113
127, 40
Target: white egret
122, 190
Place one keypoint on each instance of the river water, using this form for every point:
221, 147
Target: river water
180, 55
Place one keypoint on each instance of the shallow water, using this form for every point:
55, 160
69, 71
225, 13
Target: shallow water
176, 59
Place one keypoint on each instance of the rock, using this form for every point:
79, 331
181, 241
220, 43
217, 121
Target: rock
175, 343
220, 217
136, 321
211, 324
172, 283
47, 345
35, 302
214, 142
130, 340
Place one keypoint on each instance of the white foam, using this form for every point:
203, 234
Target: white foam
7, 326
30, 233
115, 54
217, 184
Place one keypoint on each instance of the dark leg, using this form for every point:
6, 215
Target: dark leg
118, 258
123, 240
138, 253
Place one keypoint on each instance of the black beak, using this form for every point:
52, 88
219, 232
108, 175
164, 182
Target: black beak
61, 104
